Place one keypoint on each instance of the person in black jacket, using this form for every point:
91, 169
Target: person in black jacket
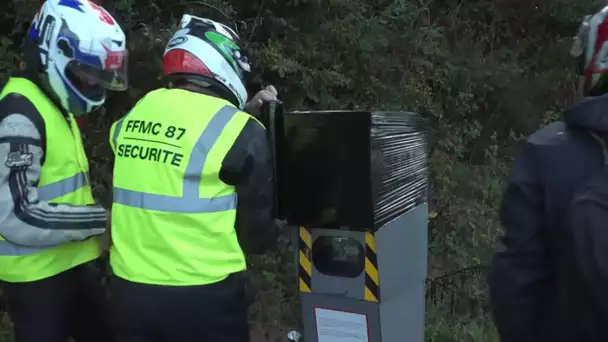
532, 288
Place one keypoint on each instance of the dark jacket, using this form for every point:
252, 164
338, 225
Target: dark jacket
248, 166
535, 296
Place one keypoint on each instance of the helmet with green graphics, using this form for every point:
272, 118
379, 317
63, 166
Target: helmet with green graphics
207, 53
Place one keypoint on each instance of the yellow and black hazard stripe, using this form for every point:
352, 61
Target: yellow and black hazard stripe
305, 272
372, 282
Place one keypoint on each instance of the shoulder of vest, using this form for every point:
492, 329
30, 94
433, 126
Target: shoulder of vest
15, 103
152, 93
189, 95
252, 130
242, 114
250, 118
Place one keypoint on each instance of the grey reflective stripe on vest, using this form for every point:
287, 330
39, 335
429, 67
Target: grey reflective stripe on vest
190, 201
66, 186
46, 193
10, 249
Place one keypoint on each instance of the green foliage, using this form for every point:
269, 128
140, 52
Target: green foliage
484, 72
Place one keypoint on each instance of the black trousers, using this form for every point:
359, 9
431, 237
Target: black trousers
70, 304
209, 313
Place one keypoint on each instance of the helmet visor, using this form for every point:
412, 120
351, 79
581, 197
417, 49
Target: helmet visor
580, 42
109, 71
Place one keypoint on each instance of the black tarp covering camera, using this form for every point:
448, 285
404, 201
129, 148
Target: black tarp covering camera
352, 169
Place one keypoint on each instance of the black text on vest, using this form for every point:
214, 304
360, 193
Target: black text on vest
150, 153
154, 128
154, 133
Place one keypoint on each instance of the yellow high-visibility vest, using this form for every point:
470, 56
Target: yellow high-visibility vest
63, 179
173, 219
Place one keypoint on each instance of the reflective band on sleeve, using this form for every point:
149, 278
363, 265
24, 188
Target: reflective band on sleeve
190, 201
117, 129
10, 249
66, 186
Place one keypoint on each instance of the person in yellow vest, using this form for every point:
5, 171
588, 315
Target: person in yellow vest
193, 194
50, 226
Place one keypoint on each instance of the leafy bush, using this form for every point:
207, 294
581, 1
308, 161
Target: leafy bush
486, 73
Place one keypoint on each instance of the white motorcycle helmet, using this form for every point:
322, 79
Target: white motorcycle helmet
207, 53
82, 50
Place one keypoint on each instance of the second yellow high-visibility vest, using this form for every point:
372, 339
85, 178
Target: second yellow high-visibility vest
173, 219
63, 179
